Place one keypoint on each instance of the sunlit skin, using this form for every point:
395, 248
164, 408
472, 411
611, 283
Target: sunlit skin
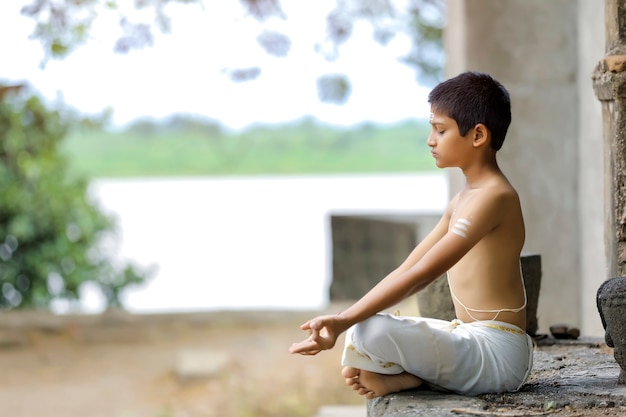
482, 261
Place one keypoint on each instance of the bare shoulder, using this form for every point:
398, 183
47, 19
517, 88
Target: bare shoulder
502, 204
495, 194
493, 204
506, 194
499, 192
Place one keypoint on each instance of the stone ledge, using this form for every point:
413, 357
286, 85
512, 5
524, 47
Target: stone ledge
567, 375
420, 403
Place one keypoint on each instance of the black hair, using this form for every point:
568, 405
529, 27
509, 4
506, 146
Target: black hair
471, 98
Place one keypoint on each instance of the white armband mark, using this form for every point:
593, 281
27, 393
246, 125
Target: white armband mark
460, 227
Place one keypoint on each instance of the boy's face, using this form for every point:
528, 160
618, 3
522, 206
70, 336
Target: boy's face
448, 147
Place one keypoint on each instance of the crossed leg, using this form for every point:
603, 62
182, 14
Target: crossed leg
372, 384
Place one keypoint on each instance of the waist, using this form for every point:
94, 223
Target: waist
517, 320
492, 324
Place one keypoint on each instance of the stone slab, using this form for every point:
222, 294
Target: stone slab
421, 403
574, 375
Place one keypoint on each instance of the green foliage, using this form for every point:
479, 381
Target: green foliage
49, 230
177, 147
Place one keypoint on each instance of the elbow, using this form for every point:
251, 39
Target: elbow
422, 279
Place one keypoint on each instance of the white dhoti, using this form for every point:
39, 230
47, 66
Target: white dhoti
466, 358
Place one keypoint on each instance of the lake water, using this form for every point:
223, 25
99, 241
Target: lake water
245, 242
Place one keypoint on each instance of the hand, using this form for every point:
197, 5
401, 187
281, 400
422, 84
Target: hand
323, 333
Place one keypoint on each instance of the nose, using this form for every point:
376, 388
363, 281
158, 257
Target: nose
431, 140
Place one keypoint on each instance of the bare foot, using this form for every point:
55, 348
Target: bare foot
372, 384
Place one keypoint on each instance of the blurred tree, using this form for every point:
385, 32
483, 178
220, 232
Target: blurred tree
63, 25
50, 233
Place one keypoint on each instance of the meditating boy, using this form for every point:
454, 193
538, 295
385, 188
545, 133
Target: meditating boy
478, 242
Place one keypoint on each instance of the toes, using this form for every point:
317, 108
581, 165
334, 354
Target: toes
352, 380
350, 372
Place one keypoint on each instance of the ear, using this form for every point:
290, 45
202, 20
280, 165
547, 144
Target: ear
481, 136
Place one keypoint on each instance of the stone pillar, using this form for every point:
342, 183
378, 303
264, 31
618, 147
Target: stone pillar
591, 41
609, 82
531, 46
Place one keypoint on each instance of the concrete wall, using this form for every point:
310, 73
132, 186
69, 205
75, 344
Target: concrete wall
551, 154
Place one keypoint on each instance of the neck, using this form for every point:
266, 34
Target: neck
477, 174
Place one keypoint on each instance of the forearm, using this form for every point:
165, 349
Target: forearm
391, 290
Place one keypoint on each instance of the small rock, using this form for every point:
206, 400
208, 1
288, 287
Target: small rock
563, 331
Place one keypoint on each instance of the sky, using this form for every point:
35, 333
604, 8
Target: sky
186, 71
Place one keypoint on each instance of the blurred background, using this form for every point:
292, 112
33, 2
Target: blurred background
213, 135
170, 175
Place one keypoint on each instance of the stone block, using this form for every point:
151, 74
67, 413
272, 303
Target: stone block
365, 250
435, 300
531, 271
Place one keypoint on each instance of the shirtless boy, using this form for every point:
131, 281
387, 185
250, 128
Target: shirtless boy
478, 242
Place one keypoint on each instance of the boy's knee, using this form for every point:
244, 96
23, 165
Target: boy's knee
373, 332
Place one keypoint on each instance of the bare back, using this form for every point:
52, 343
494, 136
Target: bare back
486, 283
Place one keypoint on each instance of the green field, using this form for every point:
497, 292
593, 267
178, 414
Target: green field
197, 149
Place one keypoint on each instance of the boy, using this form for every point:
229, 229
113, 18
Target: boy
478, 242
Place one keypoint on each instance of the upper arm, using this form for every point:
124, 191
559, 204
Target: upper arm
469, 225
479, 215
430, 240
